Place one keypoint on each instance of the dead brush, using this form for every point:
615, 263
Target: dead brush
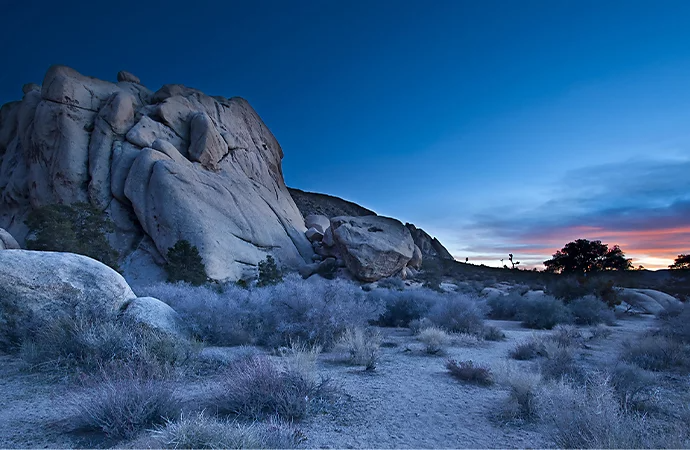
361, 347
435, 340
470, 372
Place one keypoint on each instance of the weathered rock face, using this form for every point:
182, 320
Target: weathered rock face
373, 247
428, 245
7, 242
647, 301
170, 165
38, 287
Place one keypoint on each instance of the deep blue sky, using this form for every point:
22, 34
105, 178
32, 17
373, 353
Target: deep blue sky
498, 126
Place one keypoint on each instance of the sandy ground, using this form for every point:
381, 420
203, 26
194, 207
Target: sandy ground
409, 401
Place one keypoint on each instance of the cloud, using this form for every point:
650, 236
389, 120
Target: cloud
641, 205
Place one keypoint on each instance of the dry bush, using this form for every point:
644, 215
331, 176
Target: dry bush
417, 325
361, 347
600, 332
590, 416
657, 353
315, 311
92, 340
206, 432
522, 403
566, 336
466, 340
491, 333
257, 388
589, 310
505, 307
543, 313
560, 364
529, 349
632, 385
434, 339
402, 307
122, 402
470, 372
458, 313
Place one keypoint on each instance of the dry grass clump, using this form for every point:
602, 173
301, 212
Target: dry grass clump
529, 349
657, 353
417, 325
522, 403
560, 364
207, 432
257, 388
600, 332
470, 372
434, 339
123, 402
590, 416
361, 347
633, 386
491, 333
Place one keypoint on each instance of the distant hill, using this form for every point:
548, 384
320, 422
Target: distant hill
331, 206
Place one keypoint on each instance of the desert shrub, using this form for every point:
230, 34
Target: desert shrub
589, 310
569, 288
91, 340
394, 283
458, 313
492, 333
313, 311
185, 264
207, 432
122, 403
528, 350
631, 385
403, 307
257, 388
600, 332
522, 403
78, 228
560, 364
543, 312
505, 307
434, 339
566, 336
470, 372
418, 325
361, 347
675, 323
657, 353
269, 272
224, 318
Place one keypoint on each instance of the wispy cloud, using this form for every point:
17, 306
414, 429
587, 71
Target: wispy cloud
641, 205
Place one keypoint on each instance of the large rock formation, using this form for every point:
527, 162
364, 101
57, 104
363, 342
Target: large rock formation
373, 247
170, 165
7, 242
429, 246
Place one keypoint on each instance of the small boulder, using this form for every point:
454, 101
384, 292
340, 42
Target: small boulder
647, 301
373, 247
318, 222
28, 87
7, 242
128, 77
314, 235
155, 315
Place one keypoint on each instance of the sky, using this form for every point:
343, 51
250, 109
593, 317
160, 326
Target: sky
497, 126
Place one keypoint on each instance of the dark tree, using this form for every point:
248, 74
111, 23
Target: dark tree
185, 264
583, 256
682, 262
268, 272
78, 228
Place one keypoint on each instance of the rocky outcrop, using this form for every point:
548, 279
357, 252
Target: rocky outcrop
647, 301
170, 165
7, 242
39, 287
372, 247
312, 203
428, 245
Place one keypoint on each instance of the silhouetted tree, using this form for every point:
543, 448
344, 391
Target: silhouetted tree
510, 258
681, 262
185, 264
584, 256
78, 228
